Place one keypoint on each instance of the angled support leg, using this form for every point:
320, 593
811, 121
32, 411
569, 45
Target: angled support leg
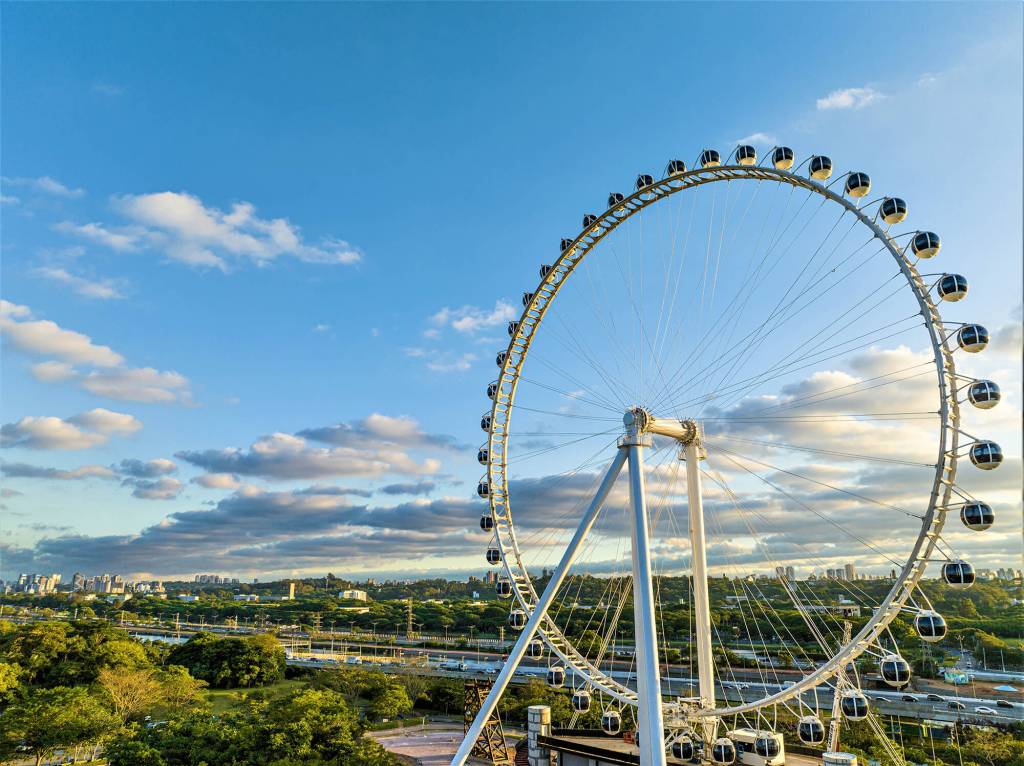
539, 611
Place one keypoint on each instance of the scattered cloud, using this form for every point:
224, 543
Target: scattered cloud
89, 429
112, 378
758, 139
471, 319
184, 228
102, 289
145, 469
849, 98
8, 199
321, 328
53, 372
164, 488
451, 363
379, 431
410, 488
108, 88
26, 471
44, 185
142, 384
46, 338
285, 457
122, 240
218, 481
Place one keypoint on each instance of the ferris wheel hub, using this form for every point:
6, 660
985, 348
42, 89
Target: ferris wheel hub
639, 421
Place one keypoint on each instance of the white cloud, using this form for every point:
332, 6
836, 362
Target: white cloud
88, 429
47, 338
321, 328
470, 319
25, 471
8, 199
47, 433
283, 456
143, 384
145, 469
218, 481
107, 421
154, 489
53, 372
849, 98
111, 379
8, 309
452, 364
182, 226
43, 184
103, 289
120, 240
758, 139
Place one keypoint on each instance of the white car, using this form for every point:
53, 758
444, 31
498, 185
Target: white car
985, 710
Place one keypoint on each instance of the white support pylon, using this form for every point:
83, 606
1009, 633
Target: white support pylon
701, 605
650, 719
539, 611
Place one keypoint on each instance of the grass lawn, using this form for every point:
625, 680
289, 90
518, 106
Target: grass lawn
226, 700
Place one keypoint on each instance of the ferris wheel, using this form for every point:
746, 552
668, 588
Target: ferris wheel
755, 345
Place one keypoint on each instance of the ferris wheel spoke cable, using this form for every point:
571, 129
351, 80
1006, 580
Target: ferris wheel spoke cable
810, 400
775, 264
614, 386
675, 273
749, 287
820, 356
519, 459
733, 355
814, 341
776, 320
821, 451
571, 395
719, 479
700, 345
858, 496
579, 384
797, 347
832, 522
661, 349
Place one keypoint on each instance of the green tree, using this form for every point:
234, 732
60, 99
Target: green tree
389, 702
231, 662
46, 719
9, 680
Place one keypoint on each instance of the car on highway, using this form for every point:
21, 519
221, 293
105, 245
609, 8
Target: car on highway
908, 698
985, 710
935, 698
954, 705
1005, 703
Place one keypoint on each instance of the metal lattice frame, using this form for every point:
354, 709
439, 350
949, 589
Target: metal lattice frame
537, 306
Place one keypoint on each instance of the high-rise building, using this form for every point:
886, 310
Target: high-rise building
790, 574
850, 571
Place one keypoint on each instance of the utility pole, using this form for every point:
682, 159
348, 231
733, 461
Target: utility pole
408, 618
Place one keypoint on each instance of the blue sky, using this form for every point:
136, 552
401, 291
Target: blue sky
255, 216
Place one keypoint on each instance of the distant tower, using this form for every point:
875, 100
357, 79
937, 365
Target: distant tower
291, 590
851, 572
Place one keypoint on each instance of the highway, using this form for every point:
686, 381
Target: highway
940, 708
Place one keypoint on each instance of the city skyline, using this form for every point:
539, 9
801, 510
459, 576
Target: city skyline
258, 346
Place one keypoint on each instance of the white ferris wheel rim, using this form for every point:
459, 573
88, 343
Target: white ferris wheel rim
503, 405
